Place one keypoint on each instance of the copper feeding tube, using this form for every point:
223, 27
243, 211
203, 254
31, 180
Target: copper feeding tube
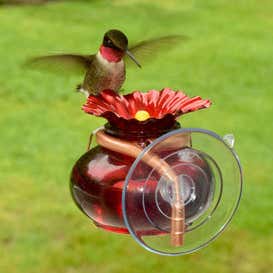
132, 149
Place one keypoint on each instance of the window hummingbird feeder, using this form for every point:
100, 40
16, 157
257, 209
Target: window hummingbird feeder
173, 189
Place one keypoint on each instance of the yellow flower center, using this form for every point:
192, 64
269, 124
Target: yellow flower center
142, 115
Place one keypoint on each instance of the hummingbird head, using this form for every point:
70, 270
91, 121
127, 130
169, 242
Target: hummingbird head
117, 40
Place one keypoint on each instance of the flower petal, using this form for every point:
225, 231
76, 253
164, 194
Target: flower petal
157, 103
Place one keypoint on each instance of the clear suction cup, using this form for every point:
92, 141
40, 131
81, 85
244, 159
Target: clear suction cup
181, 191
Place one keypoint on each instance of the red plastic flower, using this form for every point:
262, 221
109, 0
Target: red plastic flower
143, 106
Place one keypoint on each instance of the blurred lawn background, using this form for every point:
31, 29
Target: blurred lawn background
228, 59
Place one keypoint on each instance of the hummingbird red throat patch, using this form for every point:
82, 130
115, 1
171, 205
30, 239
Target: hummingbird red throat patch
111, 54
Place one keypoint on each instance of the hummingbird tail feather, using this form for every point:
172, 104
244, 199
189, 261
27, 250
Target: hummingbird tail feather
80, 89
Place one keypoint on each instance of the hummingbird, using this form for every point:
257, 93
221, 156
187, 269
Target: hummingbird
106, 69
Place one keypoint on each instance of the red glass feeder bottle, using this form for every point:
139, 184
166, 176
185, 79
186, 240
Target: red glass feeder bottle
173, 189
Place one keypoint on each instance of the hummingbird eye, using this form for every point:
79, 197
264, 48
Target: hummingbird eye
109, 42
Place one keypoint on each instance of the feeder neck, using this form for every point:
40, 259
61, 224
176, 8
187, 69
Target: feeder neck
137, 131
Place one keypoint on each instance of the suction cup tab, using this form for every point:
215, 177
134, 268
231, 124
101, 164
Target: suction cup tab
229, 140
174, 201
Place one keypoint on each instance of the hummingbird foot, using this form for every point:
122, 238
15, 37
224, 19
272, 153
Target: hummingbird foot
80, 89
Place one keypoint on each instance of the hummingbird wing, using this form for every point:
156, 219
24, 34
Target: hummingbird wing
62, 63
148, 49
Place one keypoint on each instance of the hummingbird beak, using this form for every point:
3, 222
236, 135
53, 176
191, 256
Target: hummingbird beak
133, 58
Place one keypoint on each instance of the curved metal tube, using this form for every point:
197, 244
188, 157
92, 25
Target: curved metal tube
132, 149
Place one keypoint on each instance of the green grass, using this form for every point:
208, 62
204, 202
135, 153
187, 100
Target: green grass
43, 131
